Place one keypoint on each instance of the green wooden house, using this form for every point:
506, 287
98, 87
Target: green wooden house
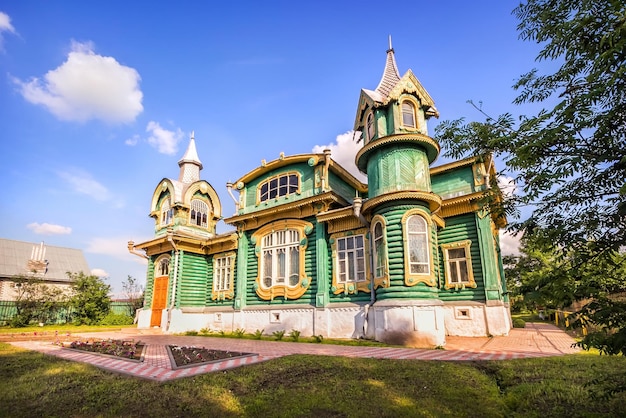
410, 257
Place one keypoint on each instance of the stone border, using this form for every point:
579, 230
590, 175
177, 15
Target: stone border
110, 356
168, 348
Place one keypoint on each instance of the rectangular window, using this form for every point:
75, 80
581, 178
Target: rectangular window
222, 274
350, 259
458, 264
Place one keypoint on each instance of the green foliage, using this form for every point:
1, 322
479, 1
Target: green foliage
192, 333
317, 338
519, 323
569, 159
278, 335
205, 331
90, 299
294, 334
134, 293
258, 334
239, 332
36, 301
116, 319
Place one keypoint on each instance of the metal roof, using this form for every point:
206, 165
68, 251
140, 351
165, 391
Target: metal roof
19, 257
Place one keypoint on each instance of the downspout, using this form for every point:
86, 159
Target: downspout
170, 238
229, 187
132, 250
325, 179
357, 203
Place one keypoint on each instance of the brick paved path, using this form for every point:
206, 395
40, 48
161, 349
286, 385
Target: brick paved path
536, 340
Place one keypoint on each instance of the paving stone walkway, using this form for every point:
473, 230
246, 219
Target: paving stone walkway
536, 340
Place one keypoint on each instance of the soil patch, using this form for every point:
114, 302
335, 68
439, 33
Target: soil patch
120, 349
183, 356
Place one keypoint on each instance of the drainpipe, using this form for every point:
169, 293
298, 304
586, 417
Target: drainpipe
357, 203
170, 238
132, 250
229, 187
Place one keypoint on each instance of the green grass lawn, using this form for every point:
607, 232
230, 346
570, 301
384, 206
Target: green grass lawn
33, 384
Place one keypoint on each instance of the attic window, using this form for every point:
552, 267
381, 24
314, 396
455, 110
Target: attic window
370, 126
281, 185
408, 114
198, 214
167, 213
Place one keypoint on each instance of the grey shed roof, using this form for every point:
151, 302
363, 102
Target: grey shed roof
19, 257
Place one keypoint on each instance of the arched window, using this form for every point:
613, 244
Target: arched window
370, 126
379, 250
417, 245
281, 185
280, 260
408, 114
198, 214
162, 267
167, 213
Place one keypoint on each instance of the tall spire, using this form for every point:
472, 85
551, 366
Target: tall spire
190, 164
391, 76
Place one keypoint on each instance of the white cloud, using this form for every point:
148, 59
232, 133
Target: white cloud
133, 140
5, 26
343, 152
49, 229
99, 273
507, 185
83, 182
116, 247
166, 142
87, 86
509, 243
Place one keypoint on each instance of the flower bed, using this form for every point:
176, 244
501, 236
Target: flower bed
183, 356
127, 350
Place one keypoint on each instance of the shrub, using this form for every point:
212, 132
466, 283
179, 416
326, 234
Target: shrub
317, 338
258, 334
117, 319
278, 335
295, 334
191, 333
519, 323
239, 332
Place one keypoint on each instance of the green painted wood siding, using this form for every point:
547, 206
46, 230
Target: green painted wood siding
192, 280
149, 289
460, 228
339, 186
398, 167
395, 250
453, 183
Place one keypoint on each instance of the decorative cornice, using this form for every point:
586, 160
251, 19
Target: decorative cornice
214, 245
431, 146
434, 201
450, 166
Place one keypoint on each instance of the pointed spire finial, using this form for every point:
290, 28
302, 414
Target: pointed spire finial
192, 135
390, 47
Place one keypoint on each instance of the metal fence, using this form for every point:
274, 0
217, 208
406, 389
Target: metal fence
60, 315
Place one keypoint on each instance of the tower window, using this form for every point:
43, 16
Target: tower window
379, 250
408, 114
417, 237
167, 213
370, 126
198, 215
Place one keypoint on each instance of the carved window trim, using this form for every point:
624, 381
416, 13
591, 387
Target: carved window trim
355, 285
408, 114
198, 213
370, 126
272, 189
380, 254
167, 212
411, 237
453, 265
223, 276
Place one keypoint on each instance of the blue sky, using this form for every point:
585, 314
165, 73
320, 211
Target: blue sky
98, 99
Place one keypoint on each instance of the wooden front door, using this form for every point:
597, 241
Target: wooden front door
159, 300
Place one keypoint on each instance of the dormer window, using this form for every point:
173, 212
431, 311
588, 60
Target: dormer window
199, 213
408, 114
281, 185
167, 213
370, 126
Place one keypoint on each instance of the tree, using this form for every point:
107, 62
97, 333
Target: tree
134, 293
568, 159
36, 301
90, 299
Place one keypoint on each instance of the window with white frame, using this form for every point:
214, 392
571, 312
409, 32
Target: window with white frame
350, 259
408, 114
167, 213
370, 126
199, 213
379, 250
417, 245
222, 273
280, 260
282, 185
458, 263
